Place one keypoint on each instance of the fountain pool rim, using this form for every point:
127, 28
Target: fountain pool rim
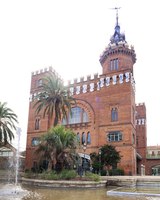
116, 192
63, 183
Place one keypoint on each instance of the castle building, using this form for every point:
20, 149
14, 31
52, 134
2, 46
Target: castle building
106, 112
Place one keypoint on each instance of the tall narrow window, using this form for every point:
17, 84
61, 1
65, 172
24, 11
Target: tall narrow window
83, 138
78, 138
39, 83
111, 65
133, 138
84, 116
114, 64
88, 138
114, 114
37, 124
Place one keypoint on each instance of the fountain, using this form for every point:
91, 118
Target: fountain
16, 191
13, 190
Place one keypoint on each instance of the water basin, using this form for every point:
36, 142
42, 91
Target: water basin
23, 192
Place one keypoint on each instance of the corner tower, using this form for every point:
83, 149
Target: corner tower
117, 62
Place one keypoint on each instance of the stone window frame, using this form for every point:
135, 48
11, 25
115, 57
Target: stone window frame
114, 64
114, 114
114, 136
79, 115
37, 124
39, 82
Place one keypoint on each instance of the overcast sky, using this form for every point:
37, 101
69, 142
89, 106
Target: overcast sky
70, 35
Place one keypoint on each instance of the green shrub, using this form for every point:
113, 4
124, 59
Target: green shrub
67, 174
116, 172
48, 175
103, 172
29, 174
93, 177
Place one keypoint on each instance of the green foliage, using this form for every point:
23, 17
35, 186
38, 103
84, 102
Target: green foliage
8, 119
93, 177
58, 147
52, 175
116, 172
67, 174
96, 164
103, 172
54, 99
29, 174
108, 156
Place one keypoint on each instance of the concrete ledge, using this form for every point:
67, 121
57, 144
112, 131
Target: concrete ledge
131, 181
63, 183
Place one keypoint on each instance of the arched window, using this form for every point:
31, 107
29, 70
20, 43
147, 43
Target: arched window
78, 137
83, 138
77, 115
114, 114
88, 138
37, 124
39, 82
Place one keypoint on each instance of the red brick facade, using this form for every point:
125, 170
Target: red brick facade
109, 101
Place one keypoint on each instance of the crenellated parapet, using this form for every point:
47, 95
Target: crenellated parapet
44, 70
140, 104
141, 121
83, 79
90, 85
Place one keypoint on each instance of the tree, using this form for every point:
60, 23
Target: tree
58, 146
109, 157
7, 123
54, 99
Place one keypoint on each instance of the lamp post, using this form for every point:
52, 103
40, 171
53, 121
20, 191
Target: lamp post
84, 163
100, 162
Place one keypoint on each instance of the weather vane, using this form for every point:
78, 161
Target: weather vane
116, 8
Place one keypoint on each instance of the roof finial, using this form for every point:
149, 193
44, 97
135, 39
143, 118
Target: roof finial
116, 8
117, 36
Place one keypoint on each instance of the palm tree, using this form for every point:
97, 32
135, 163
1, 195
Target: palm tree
54, 99
7, 123
58, 146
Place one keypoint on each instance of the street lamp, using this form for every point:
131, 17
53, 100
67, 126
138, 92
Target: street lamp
84, 163
100, 162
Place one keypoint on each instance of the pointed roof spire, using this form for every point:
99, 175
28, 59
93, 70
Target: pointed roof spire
117, 36
116, 8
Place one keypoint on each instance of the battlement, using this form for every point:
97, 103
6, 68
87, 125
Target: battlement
98, 82
140, 104
44, 70
83, 79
